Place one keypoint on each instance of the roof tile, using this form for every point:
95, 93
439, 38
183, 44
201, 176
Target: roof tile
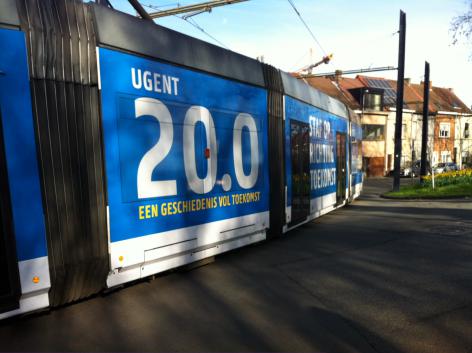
440, 99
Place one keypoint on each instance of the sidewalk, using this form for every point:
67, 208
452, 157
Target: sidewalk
376, 276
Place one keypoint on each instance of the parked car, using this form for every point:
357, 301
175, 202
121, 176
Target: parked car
416, 168
467, 165
445, 167
405, 171
413, 169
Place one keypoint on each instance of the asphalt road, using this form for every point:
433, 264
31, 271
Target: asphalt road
377, 276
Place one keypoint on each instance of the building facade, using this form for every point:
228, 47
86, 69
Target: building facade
374, 99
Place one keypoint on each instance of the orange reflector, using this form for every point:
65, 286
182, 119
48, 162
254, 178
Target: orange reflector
35, 279
120, 258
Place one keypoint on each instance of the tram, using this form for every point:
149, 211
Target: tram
128, 149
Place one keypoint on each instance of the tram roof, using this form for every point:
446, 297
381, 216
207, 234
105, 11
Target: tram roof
301, 91
120, 30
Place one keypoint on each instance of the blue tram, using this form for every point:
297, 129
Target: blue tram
128, 149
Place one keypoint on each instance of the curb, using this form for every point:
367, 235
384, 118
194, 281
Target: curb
425, 198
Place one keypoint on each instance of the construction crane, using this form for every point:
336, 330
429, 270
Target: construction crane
308, 70
194, 9
348, 72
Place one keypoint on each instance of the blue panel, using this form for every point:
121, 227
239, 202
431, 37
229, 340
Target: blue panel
356, 178
20, 147
323, 128
129, 138
356, 132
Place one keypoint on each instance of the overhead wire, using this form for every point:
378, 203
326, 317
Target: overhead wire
193, 23
159, 8
306, 26
196, 25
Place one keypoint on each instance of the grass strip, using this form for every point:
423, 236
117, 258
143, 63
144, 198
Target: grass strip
419, 192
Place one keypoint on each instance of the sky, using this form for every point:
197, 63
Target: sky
359, 34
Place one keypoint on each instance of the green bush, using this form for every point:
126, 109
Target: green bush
449, 178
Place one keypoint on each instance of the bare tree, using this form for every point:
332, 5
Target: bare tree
461, 26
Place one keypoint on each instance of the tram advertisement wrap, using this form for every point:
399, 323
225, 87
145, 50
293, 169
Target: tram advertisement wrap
323, 127
20, 149
182, 148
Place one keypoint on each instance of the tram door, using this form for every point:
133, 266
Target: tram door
300, 153
340, 167
9, 277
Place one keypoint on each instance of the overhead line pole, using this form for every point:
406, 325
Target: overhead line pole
424, 140
205, 6
399, 110
104, 2
140, 10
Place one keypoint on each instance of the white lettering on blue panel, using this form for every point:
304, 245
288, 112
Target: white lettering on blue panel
154, 81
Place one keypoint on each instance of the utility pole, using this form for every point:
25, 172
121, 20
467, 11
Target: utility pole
424, 140
399, 110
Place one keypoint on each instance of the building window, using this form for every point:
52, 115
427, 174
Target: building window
466, 157
373, 132
372, 101
444, 130
466, 130
445, 156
